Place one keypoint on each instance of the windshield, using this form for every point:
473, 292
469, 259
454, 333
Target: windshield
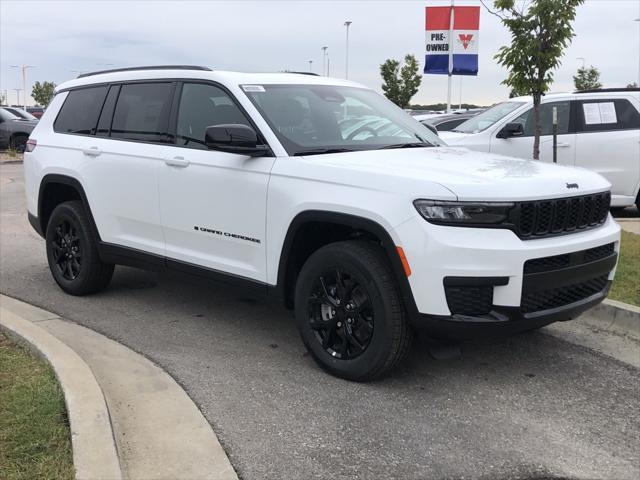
314, 119
485, 119
21, 113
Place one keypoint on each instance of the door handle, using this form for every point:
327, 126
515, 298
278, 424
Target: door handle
564, 145
92, 151
180, 162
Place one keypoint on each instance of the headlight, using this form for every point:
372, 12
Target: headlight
463, 213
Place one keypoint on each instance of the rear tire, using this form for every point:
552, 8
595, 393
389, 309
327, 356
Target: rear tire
19, 143
72, 252
349, 312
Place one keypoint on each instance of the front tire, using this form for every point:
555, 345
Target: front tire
349, 312
72, 252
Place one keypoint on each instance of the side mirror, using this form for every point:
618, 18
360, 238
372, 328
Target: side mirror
430, 127
511, 130
234, 138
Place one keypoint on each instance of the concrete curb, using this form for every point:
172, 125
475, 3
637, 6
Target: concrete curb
94, 449
617, 317
155, 429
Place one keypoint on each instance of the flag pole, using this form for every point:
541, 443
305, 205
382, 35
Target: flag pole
450, 57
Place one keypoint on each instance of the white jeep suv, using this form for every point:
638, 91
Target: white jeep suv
317, 191
597, 129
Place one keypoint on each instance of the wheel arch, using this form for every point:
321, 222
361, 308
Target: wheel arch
55, 189
293, 255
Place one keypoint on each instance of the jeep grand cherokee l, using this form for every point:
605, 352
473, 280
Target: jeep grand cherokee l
317, 191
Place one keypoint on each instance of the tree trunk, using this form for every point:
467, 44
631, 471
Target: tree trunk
536, 127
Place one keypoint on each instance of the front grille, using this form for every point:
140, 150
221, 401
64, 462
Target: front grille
559, 216
556, 262
559, 297
469, 300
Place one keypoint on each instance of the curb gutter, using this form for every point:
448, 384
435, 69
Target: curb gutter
617, 317
94, 449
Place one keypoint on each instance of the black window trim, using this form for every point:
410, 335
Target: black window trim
173, 110
581, 101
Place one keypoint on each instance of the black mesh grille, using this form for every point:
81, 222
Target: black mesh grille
469, 300
547, 264
559, 297
564, 215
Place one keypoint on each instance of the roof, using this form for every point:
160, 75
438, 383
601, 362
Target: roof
605, 92
200, 73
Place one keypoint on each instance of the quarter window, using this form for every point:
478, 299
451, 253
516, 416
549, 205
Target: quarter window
546, 119
607, 114
142, 112
80, 111
202, 106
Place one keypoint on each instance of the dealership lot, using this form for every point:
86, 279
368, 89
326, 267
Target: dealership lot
531, 406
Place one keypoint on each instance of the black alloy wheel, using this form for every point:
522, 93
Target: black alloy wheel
349, 311
341, 314
66, 249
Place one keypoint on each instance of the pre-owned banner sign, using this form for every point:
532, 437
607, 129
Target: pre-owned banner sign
463, 23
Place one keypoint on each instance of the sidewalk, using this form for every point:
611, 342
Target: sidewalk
158, 431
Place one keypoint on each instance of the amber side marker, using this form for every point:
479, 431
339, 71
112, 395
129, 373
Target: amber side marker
405, 263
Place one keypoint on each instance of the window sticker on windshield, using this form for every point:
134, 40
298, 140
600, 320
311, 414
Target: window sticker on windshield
598, 113
253, 88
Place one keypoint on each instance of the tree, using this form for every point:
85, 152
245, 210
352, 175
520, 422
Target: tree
587, 78
400, 84
540, 31
632, 85
3, 99
43, 93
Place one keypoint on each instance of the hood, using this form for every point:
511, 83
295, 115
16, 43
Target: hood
451, 138
469, 175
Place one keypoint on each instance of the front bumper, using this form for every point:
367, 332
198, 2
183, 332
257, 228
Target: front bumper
473, 263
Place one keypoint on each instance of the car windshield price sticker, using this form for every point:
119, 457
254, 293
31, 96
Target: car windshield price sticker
253, 88
597, 113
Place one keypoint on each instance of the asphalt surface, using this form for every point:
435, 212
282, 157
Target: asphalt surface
530, 406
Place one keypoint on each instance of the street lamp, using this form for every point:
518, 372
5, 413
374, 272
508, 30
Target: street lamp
346, 69
17, 90
583, 61
324, 61
24, 81
310, 65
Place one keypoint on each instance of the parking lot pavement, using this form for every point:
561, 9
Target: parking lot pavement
530, 406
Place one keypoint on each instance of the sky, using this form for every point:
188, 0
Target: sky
64, 37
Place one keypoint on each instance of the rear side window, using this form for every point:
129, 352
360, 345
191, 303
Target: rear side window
142, 112
80, 111
606, 115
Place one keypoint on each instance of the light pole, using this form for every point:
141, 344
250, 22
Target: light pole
24, 81
324, 61
583, 61
18, 90
346, 69
311, 65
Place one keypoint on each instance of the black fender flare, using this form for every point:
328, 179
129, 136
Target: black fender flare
359, 223
71, 182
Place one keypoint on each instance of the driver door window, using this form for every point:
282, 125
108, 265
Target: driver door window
202, 106
522, 146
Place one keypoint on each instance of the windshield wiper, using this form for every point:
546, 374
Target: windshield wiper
407, 145
320, 151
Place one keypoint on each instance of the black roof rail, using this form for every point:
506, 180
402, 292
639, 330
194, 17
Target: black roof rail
302, 73
151, 67
596, 90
